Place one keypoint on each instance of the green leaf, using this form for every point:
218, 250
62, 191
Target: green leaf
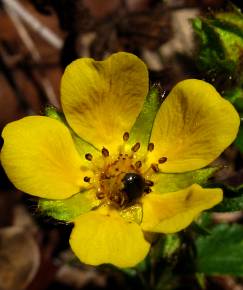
171, 244
233, 199
221, 253
239, 139
199, 229
230, 204
220, 43
142, 128
201, 280
211, 55
68, 209
170, 182
235, 96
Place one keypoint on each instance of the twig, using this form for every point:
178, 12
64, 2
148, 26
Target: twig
31, 47
34, 23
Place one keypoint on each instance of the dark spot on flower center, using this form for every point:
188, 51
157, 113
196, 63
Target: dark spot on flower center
134, 185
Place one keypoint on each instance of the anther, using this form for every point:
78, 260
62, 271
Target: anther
149, 183
155, 167
100, 195
88, 156
162, 160
147, 190
136, 147
105, 152
150, 147
125, 136
138, 164
86, 179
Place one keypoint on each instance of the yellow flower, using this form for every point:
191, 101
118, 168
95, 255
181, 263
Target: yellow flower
121, 164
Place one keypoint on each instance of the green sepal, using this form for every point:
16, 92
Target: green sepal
70, 208
170, 182
221, 252
52, 112
142, 127
81, 145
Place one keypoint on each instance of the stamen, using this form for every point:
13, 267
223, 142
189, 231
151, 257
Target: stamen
103, 175
136, 147
116, 198
138, 164
150, 147
100, 195
125, 136
88, 156
149, 182
162, 160
105, 152
147, 190
155, 167
86, 179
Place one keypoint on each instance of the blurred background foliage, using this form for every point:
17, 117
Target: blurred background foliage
177, 39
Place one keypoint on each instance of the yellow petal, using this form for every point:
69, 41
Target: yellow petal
105, 237
172, 212
193, 126
102, 99
39, 157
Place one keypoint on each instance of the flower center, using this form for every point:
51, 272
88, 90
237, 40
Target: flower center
121, 180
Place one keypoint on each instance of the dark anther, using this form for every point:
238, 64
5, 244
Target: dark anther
133, 186
138, 164
155, 167
147, 189
125, 136
86, 179
136, 147
149, 183
88, 156
100, 195
105, 152
150, 147
162, 160
132, 167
